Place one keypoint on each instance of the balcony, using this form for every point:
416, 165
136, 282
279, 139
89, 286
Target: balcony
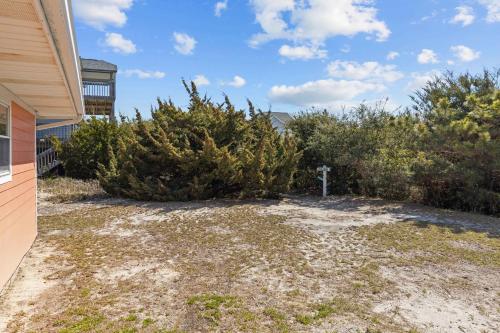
99, 87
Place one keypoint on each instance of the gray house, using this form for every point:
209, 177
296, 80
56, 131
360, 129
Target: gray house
280, 120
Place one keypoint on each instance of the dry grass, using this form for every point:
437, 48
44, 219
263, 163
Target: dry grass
63, 189
227, 267
224, 262
416, 243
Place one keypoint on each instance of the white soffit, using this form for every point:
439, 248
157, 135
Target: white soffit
38, 57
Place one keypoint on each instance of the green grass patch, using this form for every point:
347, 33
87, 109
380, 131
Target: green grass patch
278, 318
86, 324
210, 305
320, 311
147, 322
131, 317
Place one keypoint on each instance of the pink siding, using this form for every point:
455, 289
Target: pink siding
18, 197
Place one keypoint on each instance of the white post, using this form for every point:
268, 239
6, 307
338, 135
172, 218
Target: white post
325, 170
324, 183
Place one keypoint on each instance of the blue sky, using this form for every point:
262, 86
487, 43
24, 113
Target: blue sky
287, 55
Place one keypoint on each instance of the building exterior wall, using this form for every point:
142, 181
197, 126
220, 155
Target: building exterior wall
18, 226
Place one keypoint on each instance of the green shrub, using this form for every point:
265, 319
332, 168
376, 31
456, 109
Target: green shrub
443, 152
87, 147
366, 148
210, 150
303, 127
459, 142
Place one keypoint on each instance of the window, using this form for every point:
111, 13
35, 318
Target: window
5, 138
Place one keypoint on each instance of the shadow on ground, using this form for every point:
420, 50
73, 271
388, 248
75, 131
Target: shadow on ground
328, 210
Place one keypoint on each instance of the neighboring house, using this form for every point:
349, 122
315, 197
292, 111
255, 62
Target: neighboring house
99, 87
280, 120
39, 79
99, 90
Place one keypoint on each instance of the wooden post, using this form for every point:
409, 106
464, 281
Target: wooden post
325, 170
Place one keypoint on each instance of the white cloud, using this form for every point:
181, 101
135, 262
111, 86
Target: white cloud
141, 74
464, 16
419, 80
345, 49
184, 44
427, 56
119, 44
311, 21
392, 55
302, 52
429, 17
101, 13
464, 53
268, 14
370, 71
220, 6
493, 8
201, 80
237, 82
322, 92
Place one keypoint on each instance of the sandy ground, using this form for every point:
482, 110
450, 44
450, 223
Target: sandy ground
284, 277
433, 310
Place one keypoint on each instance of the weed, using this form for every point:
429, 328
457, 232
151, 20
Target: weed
304, 319
323, 310
86, 324
210, 305
147, 322
278, 318
131, 317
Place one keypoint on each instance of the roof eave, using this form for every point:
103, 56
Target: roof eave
57, 20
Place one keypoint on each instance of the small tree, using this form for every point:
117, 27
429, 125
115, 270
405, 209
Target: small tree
87, 147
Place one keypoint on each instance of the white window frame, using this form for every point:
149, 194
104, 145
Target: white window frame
7, 176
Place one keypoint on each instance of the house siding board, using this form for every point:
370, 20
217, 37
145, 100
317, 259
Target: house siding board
25, 173
17, 191
18, 197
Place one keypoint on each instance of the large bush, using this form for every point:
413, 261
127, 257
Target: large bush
366, 148
87, 147
304, 127
458, 164
209, 150
444, 152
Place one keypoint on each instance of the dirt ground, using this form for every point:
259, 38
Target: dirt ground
302, 264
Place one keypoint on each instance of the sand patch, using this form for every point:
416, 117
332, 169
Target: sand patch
30, 281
